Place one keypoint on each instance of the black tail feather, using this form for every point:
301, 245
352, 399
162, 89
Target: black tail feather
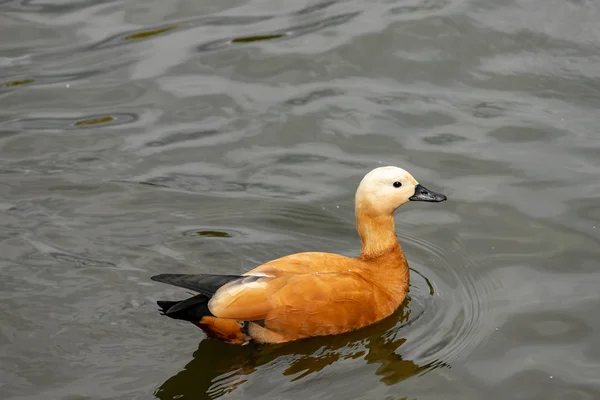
165, 305
192, 309
205, 284
196, 307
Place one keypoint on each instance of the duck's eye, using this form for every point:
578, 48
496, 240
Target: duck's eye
397, 184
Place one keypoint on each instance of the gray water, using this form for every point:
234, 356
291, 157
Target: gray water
144, 137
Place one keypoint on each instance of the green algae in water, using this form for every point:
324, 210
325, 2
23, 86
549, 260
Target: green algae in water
94, 121
146, 34
249, 39
19, 83
212, 234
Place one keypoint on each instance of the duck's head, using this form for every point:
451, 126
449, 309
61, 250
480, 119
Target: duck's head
385, 189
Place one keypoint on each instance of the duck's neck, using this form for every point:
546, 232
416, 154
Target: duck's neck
377, 233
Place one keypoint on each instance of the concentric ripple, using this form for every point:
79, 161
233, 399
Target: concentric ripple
448, 298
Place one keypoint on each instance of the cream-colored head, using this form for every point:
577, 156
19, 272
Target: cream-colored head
385, 189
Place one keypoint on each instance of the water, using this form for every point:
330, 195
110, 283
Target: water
145, 137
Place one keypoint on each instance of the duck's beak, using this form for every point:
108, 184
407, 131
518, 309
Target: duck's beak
424, 194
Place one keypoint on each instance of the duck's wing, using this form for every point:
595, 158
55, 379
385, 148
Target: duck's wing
247, 299
255, 299
304, 304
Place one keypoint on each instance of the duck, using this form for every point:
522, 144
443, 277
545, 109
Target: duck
310, 294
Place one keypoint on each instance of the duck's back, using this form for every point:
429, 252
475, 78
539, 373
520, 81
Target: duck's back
305, 263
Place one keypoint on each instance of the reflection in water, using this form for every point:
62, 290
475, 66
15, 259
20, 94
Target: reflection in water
219, 368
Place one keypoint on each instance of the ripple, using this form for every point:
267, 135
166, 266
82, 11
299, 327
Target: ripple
422, 5
180, 137
238, 234
49, 79
81, 261
124, 38
48, 8
487, 109
129, 36
77, 260
209, 234
451, 324
521, 134
88, 121
291, 32
248, 180
444, 139
314, 95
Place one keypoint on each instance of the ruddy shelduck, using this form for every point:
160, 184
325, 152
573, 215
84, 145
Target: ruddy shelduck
311, 294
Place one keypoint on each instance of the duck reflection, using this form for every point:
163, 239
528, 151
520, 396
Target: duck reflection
218, 368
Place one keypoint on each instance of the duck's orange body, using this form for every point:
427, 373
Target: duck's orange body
308, 294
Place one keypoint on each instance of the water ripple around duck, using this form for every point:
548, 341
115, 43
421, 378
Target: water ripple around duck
449, 299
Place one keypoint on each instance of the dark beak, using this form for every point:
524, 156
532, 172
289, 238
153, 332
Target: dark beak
424, 194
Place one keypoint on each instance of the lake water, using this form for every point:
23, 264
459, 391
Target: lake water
142, 137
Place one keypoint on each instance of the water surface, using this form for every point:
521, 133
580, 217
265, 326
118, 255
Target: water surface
144, 137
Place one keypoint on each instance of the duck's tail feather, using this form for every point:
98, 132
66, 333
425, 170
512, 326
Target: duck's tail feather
192, 309
196, 307
206, 284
